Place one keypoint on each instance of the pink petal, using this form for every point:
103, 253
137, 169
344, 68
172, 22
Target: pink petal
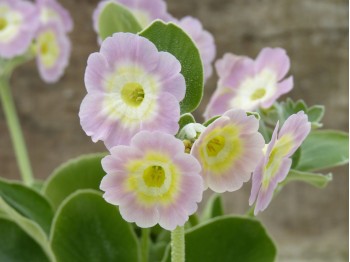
95, 73
275, 59
298, 126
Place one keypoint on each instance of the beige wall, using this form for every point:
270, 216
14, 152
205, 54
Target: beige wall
309, 224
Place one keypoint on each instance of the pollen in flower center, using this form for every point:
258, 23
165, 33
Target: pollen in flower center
132, 94
215, 145
3, 23
259, 93
154, 176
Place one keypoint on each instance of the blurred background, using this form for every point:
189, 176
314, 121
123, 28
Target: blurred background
308, 224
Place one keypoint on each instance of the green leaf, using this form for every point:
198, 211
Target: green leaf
83, 172
228, 239
211, 120
314, 179
25, 229
281, 111
157, 251
172, 39
213, 208
316, 113
116, 18
16, 245
186, 119
324, 149
27, 202
86, 228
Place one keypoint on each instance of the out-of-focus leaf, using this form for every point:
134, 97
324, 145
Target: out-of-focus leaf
80, 173
116, 18
213, 208
281, 111
324, 149
87, 228
28, 202
16, 245
23, 229
314, 179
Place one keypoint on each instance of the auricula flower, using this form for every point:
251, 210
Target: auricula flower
131, 87
52, 11
52, 51
18, 24
153, 180
203, 40
248, 84
275, 165
229, 150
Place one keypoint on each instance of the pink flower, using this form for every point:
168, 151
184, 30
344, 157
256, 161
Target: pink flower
203, 40
52, 51
52, 11
153, 180
248, 84
18, 24
275, 165
131, 87
228, 150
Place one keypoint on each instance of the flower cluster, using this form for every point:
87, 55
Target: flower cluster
40, 29
146, 11
157, 172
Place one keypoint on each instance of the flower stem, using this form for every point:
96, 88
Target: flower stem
145, 244
178, 245
15, 131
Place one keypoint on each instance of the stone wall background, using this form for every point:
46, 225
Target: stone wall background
308, 224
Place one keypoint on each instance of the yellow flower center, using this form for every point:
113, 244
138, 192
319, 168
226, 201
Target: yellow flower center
3, 23
215, 145
48, 48
221, 148
258, 94
154, 176
132, 94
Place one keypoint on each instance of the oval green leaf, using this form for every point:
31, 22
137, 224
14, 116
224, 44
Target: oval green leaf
116, 18
228, 239
26, 229
314, 179
84, 172
86, 228
28, 202
16, 245
172, 39
324, 149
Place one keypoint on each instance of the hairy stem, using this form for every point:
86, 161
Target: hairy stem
15, 131
178, 245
